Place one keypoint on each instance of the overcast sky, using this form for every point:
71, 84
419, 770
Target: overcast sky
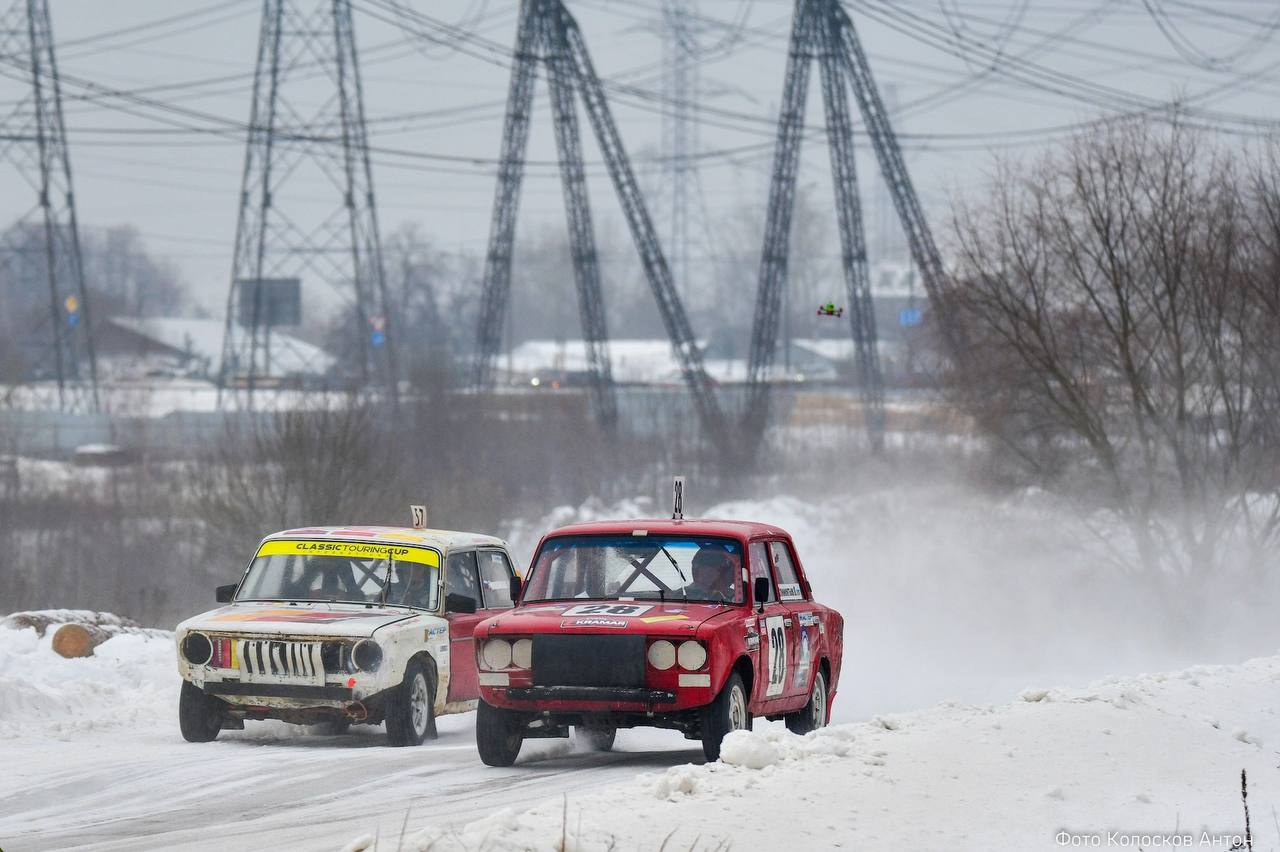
432, 107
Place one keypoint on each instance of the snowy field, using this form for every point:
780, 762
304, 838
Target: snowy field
94, 761
962, 614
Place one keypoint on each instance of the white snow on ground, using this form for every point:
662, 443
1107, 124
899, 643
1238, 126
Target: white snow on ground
97, 764
128, 682
1125, 763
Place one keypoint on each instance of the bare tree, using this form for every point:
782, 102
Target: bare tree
1120, 301
320, 464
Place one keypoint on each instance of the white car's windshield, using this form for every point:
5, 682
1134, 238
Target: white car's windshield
653, 567
340, 579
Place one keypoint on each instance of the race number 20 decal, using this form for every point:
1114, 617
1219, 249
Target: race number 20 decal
777, 654
624, 610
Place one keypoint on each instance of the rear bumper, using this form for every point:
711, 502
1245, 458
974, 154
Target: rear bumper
610, 694
280, 690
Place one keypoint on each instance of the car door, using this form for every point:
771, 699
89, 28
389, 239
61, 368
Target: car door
461, 577
495, 580
801, 642
773, 660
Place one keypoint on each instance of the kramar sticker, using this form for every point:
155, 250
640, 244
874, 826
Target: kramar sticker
593, 622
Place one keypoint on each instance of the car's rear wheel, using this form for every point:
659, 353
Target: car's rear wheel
411, 710
596, 737
813, 715
199, 715
727, 713
499, 735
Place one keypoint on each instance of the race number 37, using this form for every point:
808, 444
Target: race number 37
777, 635
608, 609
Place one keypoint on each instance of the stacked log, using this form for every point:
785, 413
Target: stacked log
76, 632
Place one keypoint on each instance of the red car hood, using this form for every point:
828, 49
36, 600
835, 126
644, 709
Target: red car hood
674, 618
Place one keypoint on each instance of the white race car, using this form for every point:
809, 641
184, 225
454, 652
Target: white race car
343, 625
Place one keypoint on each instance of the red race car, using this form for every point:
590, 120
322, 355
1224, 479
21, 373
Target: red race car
693, 625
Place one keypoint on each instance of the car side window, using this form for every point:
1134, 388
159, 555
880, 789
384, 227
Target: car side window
759, 560
460, 576
788, 582
495, 579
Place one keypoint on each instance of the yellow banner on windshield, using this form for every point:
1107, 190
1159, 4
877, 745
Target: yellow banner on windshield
350, 550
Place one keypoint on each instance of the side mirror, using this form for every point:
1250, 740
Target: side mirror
454, 602
516, 585
225, 594
762, 590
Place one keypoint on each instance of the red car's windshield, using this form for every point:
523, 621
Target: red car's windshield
652, 567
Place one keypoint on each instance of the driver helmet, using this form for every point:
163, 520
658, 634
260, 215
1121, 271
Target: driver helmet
713, 569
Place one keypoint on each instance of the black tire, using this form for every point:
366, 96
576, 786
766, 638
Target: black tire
727, 713
813, 715
499, 735
596, 738
199, 715
411, 709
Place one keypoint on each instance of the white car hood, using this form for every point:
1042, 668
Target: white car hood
298, 619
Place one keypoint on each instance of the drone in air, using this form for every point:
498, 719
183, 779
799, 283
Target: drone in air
830, 310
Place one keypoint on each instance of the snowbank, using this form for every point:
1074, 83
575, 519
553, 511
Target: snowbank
129, 681
1148, 760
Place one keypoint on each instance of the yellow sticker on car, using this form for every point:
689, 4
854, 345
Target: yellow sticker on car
654, 619
349, 549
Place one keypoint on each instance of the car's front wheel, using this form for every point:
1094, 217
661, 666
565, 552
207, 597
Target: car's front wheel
727, 713
411, 710
199, 715
596, 737
813, 715
499, 735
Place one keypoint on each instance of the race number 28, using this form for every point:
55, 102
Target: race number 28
777, 654
608, 609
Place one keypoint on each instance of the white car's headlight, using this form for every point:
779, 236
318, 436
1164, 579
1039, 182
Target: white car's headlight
367, 655
662, 655
496, 654
197, 649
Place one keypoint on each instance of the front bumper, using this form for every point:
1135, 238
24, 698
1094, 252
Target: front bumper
612, 694
299, 692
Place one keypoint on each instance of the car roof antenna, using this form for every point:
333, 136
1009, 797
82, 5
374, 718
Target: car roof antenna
677, 499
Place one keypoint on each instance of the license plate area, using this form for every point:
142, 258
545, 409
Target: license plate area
590, 660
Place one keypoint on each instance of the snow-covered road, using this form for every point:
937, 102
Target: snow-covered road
92, 759
982, 600
145, 788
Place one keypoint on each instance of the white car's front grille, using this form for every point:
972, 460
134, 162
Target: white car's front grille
269, 660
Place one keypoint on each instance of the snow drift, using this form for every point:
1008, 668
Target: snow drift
130, 681
1147, 761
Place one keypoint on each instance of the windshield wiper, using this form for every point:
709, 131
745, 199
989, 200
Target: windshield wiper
676, 565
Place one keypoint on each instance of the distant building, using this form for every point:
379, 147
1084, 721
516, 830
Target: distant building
158, 347
563, 363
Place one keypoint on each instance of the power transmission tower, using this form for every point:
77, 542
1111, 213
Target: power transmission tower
281, 242
822, 30
680, 131
549, 35
44, 243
